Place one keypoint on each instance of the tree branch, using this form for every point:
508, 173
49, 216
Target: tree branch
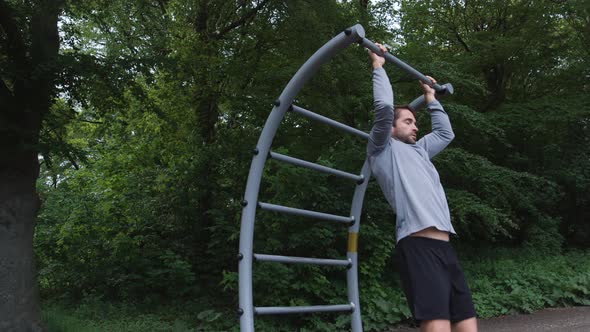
162, 6
73, 161
88, 121
461, 41
220, 33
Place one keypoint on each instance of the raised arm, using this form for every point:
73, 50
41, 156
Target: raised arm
442, 132
383, 105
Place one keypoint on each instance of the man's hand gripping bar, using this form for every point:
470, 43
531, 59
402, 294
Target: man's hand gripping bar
418, 103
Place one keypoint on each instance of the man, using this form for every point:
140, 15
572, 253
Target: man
431, 276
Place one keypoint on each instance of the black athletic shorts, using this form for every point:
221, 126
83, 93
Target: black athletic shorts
433, 280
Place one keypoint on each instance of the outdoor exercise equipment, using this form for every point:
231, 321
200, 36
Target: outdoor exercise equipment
262, 152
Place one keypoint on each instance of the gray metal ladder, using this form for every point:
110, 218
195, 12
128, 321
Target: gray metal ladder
246, 256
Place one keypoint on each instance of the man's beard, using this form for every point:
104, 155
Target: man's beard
406, 139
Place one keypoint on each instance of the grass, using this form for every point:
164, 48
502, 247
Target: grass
98, 316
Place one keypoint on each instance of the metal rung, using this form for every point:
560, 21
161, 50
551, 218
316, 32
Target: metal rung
303, 309
302, 260
305, 213
299, 162
328, 121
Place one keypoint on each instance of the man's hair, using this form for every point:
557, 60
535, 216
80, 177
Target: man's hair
397, 109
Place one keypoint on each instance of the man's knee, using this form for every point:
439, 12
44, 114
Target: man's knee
466, 325
435, 325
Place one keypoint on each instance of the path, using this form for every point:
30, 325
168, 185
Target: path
573, 319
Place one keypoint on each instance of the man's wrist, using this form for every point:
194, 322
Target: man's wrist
377, 65
429, 98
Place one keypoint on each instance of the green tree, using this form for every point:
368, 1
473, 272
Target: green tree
511, 46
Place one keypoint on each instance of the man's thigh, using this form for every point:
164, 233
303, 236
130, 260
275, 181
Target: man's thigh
425, 278
462, 307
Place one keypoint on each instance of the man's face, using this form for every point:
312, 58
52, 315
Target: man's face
404, 128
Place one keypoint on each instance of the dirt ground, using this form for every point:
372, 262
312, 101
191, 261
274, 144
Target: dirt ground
573, 319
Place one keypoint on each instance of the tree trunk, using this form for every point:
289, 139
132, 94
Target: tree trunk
26, 92
496, 83
19, 299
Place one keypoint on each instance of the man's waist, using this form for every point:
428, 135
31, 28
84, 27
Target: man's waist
432, 233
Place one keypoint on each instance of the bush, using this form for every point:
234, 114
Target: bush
94, 315
520, 282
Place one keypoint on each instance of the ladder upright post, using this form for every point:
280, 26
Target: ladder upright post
352, 279
281, 105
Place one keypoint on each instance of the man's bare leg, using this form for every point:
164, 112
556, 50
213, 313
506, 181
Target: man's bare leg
435, 325
467, 325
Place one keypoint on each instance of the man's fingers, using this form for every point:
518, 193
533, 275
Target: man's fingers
430, 78
381, 47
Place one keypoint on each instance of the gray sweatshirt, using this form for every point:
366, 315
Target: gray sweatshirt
404, 171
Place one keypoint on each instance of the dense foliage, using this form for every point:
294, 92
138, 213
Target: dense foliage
146, 149
506, 282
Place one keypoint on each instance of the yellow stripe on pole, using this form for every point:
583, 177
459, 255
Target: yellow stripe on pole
353, 240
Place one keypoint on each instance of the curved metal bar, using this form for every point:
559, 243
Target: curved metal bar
309, 68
